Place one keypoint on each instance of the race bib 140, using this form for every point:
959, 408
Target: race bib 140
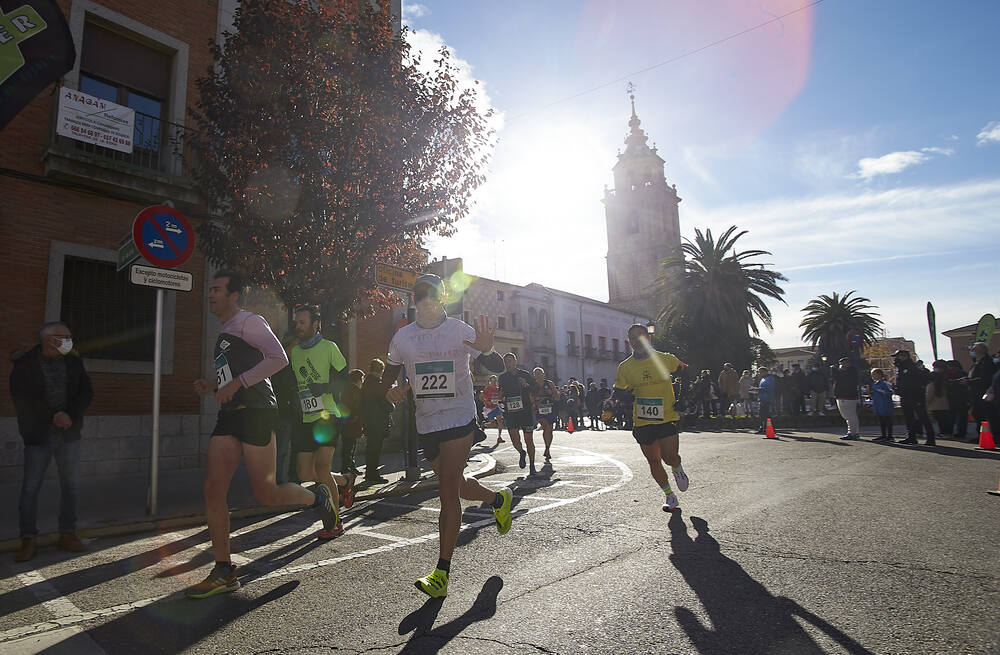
649, 409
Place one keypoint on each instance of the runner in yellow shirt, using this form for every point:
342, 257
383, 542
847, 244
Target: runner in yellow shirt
645, 375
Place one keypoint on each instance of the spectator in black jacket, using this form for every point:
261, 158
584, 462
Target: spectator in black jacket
286, 392
911, 385
845, 390
979, 379
376, 418
817, 383
958, 399
798, 390
51, 390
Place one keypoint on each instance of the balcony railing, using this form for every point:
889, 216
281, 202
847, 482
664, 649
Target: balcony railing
572, 349
157, 146
604, 354
591, 352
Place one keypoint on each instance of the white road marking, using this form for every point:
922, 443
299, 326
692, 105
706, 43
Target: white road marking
64, 641
44, 591
377, 535
64, 619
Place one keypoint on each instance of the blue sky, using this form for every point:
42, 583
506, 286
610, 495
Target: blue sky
857, 141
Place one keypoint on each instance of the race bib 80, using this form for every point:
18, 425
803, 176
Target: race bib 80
310, 403
434, 380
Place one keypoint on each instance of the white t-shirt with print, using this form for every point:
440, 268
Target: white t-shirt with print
437, 365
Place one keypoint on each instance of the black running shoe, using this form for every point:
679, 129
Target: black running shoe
326, 509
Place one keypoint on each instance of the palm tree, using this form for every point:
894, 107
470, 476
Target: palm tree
715, 299
715, 285
828, 319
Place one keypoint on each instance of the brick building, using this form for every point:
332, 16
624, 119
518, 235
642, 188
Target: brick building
68, 203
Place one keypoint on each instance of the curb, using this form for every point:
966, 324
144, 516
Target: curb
398, 488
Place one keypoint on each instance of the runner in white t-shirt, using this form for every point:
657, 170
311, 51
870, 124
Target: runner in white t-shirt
435, 351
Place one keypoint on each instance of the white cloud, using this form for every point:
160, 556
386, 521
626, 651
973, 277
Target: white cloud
412, 10
894, 162
989, 134
947, 152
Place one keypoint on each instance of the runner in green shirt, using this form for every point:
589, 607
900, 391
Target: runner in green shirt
321, 373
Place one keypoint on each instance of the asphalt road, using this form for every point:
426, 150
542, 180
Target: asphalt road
805, 544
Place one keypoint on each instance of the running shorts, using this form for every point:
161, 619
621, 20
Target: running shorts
251, 425
520, 420
307, 437
646, 435
430, 443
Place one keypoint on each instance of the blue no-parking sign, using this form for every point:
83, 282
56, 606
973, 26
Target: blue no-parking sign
163, 235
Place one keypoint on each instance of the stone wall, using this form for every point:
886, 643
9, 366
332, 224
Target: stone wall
117, 445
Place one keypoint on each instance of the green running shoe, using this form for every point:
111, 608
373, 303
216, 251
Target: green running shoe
503, 517
434, 585
219, 581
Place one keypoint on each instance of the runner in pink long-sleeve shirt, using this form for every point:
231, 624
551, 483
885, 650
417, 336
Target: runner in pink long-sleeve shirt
246, 354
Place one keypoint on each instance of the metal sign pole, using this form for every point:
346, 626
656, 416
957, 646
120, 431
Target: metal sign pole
412, 462
154, 463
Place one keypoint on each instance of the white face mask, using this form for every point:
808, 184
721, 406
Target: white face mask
65, 346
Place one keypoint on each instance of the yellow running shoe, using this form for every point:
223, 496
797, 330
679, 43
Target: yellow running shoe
434, 585
503, 517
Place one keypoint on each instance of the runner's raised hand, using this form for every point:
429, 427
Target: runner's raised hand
484, 335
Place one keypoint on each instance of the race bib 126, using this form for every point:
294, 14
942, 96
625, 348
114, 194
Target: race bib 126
434, 379
515, 404
649, 409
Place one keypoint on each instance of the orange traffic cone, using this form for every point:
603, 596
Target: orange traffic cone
986, 437
569, 425
769, 431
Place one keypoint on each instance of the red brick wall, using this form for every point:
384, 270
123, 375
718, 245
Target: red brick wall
33, 213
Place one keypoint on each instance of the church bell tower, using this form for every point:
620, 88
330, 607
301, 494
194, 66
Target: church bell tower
643, 224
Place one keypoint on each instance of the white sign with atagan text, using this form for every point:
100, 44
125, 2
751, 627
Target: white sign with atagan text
94, 120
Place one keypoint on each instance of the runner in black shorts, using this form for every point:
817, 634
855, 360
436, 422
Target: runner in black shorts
546, 402
436, 352
246, 354
645, 378
518, 387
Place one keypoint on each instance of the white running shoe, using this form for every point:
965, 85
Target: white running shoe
681, 478
670, 504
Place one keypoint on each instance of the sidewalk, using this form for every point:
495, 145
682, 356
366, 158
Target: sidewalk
109, 507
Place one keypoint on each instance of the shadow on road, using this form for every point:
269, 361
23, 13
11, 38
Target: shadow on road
745, 617
521, 487
74, 581
174, 624
428, 639
950, 451
795, 437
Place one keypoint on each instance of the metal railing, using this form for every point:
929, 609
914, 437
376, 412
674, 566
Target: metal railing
157, 145
572, 349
